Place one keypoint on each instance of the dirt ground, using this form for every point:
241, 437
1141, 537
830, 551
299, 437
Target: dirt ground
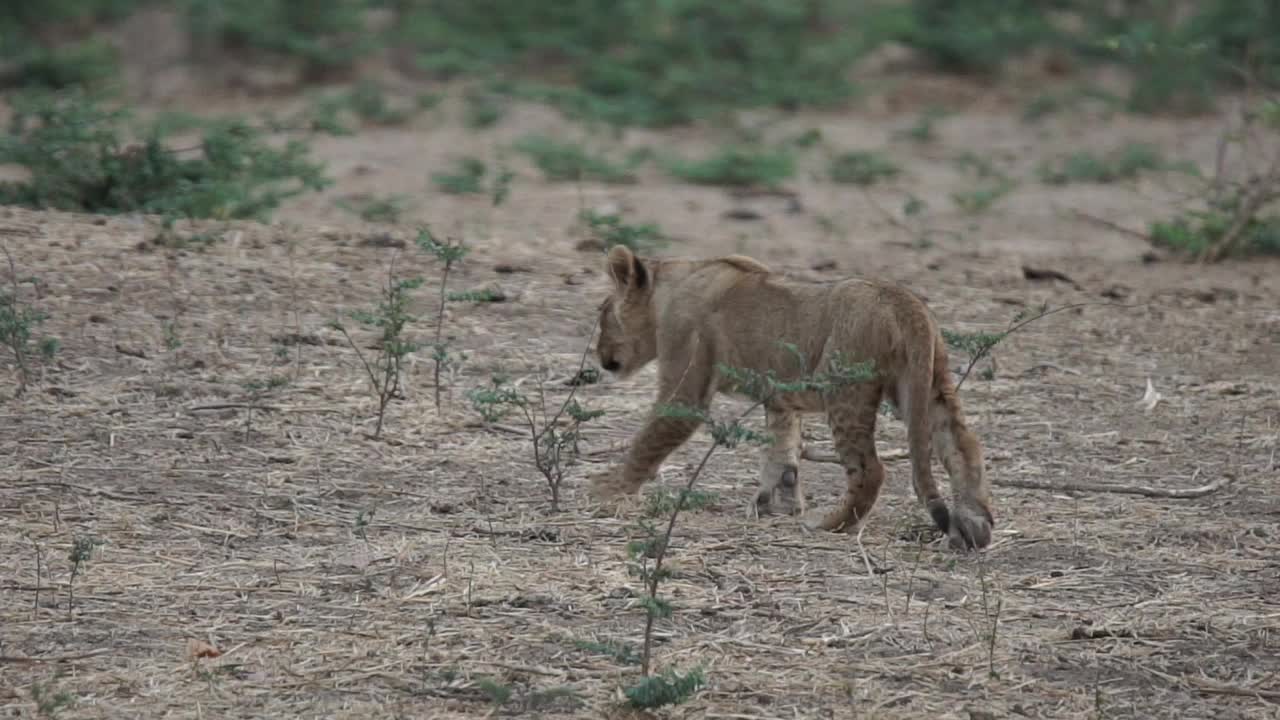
339, 576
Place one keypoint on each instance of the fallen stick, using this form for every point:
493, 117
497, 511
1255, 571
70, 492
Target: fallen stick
1144, 490
1189, 493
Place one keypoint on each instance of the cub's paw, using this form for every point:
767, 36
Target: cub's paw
970, 527
786, 491
609, 495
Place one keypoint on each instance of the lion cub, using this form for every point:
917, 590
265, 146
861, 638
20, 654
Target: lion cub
691, 315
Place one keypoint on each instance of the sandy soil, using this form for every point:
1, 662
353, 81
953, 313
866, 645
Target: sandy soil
341, 576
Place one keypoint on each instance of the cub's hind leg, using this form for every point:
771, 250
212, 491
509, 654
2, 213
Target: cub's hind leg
851, 412
780, 466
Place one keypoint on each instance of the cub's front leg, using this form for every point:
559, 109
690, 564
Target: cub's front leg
659, 437
685, 380
780, 467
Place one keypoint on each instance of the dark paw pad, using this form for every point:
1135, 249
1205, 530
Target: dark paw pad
970, 529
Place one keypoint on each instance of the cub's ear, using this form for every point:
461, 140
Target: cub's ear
627, 270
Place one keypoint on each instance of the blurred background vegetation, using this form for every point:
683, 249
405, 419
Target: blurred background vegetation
664, 62
617, 63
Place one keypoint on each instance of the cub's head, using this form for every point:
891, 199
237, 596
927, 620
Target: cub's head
628, 329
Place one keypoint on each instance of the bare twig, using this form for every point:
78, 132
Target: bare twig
1110, 225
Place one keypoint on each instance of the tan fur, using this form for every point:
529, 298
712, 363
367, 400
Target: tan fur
691, 315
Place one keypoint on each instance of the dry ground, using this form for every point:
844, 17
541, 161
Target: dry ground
341, 576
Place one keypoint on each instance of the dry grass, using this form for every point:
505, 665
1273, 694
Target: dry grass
343, 577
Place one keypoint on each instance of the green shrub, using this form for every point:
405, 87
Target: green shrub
1194, 232
78, 157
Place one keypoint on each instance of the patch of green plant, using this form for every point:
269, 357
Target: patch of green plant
498, 693
49, 700
561, 160
621, 652
667, 688
1123, 163
389, 318
610, 230
862, 167
375, 209
662, 501
468, 178
19, 322
554, 437
79, 158
737, 166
